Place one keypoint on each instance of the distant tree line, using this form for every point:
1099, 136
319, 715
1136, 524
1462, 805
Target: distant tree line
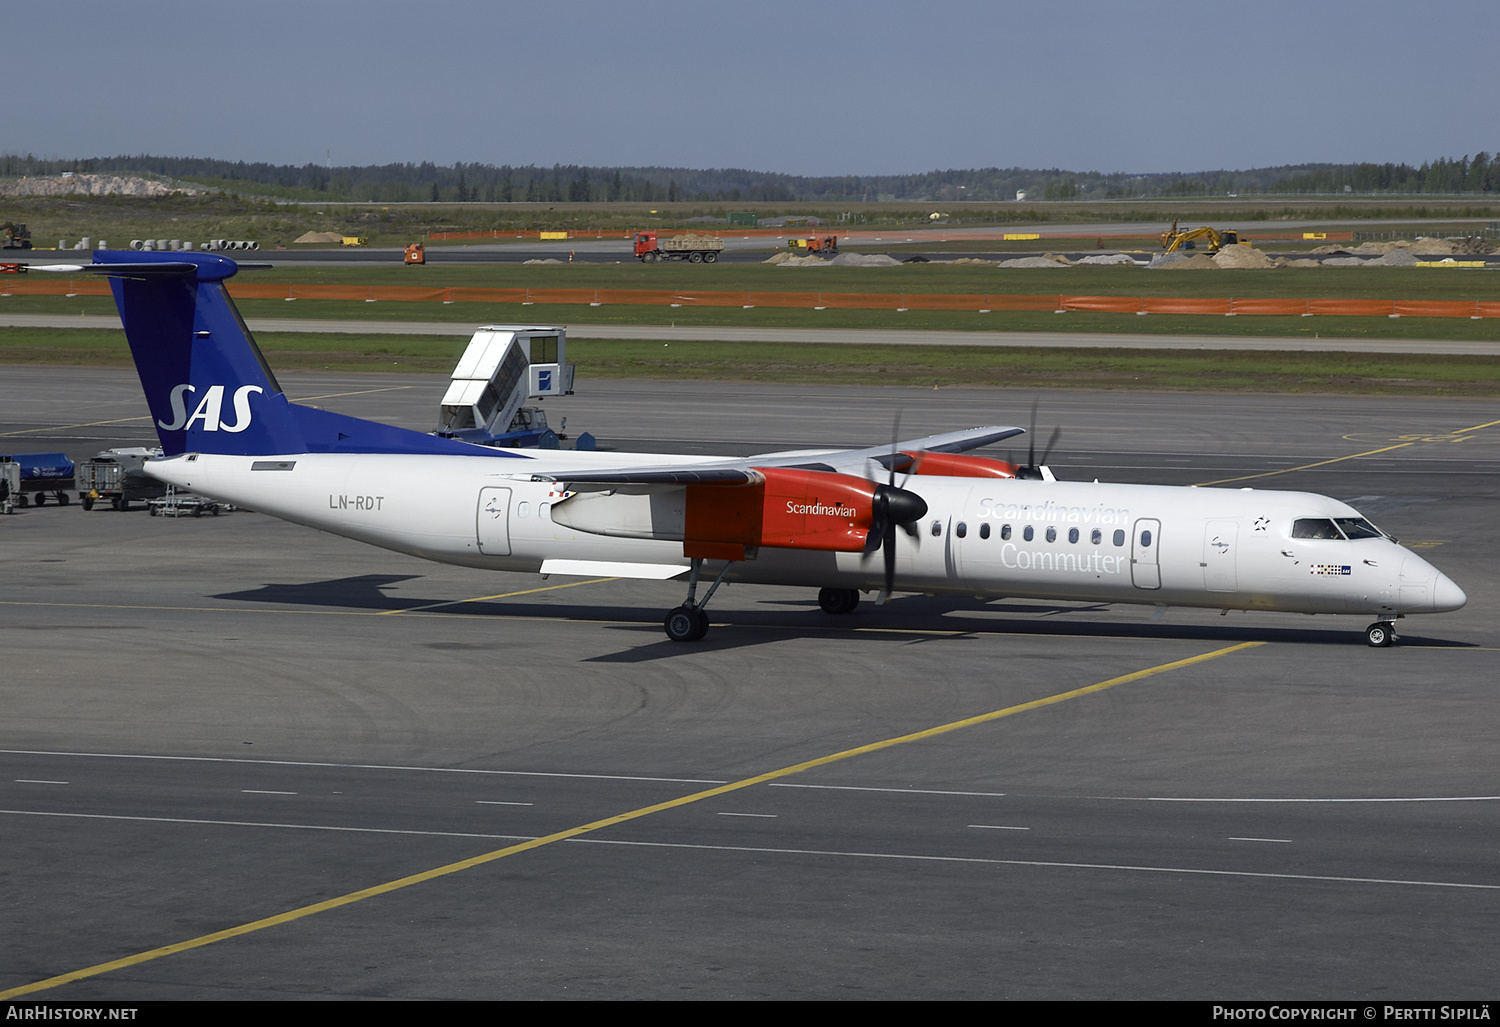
405, 183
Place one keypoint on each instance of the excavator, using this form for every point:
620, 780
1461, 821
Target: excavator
1173, 240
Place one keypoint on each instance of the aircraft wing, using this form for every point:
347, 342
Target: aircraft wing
741, 471
852, 461
707, 473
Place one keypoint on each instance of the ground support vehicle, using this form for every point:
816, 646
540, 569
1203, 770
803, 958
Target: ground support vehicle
503, 366
175, 504
693, 247
10, 485
119, 477
43, 475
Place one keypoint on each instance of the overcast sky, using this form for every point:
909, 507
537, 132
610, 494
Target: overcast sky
807, 87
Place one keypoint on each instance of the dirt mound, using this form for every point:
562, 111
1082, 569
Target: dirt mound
1037, 262
1243, 257
1474, 246
861, 260
1106, 258
1163, 259
968, 260
1298, 262
315, 237
1201, 262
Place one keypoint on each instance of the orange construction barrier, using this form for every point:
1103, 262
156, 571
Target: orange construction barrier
1282, 308
1105, 304
1352, 308
1169, 305
1436, 308
980, 302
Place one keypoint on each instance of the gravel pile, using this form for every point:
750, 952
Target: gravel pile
1199, 262
1107, 258
1039, 262
1242, 257
863, 260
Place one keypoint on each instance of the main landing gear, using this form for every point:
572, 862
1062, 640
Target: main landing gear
689, 622
838, 600
1381, 634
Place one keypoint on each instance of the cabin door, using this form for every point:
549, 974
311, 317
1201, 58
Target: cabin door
1145, 570
493, 521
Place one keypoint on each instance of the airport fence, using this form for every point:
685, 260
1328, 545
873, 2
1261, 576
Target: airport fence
982, 303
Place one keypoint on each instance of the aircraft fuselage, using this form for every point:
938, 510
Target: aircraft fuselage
1173, 546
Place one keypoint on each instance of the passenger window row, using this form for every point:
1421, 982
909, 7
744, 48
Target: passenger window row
1028, 533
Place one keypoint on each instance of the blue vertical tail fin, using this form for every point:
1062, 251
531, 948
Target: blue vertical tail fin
208, 385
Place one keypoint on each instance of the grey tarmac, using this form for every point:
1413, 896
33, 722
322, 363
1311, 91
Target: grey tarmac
210, 722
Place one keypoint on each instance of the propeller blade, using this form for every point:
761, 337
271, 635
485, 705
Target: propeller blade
1034, 469
890, 561
1052, 441
894, 507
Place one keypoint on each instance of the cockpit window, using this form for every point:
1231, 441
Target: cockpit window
1315, 527
1358, 527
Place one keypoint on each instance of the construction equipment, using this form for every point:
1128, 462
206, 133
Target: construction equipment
119, 476
693, 247
1173, 240
16, 236
416, 253
818, 246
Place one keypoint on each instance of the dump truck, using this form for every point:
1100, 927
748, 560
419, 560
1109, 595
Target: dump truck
693, 247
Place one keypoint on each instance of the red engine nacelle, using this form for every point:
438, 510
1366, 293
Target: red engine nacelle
957, 465
791, 509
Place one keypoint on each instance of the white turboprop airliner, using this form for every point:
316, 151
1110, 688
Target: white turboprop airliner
957, 524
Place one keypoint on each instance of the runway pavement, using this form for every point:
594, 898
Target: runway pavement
415, 781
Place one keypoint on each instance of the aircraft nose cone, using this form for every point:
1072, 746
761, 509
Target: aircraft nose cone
1446, 595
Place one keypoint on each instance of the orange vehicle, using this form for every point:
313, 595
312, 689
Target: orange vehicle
820, 246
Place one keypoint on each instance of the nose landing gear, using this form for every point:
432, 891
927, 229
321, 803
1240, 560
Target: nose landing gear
1381, 634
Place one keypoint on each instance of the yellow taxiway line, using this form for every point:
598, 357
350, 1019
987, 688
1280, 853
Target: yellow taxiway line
597, 825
